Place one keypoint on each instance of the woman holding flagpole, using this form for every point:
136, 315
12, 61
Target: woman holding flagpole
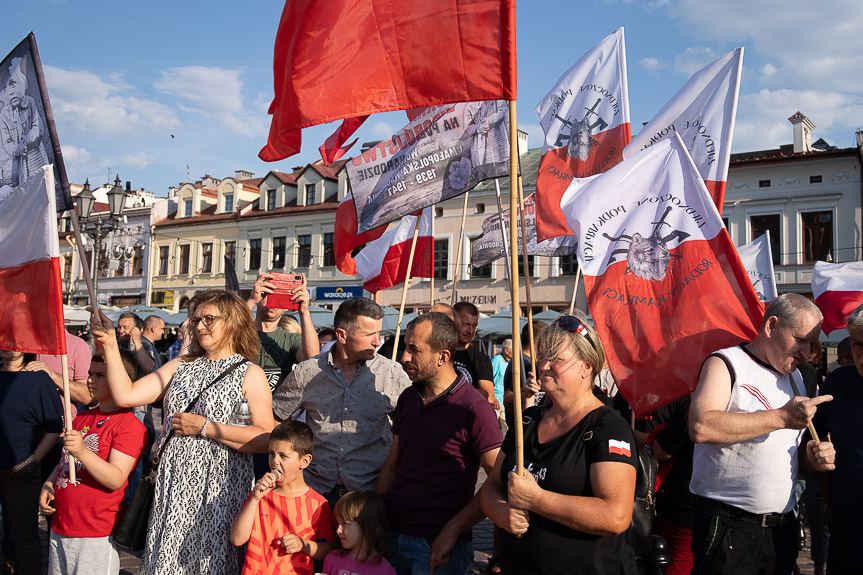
571, 509
204, 472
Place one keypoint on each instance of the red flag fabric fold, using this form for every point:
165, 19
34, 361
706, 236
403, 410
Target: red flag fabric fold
334, 147
348, 58
346, 240
384, 262
838, 290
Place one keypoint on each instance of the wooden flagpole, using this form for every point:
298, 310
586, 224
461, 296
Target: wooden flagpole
458, 251
513, 286
526, 278
503, 230
575, 289
405, 288
431, 280
67, 409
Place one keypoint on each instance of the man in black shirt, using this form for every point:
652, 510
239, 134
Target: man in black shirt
475, 364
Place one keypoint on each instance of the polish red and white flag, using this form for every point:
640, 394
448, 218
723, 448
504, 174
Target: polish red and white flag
345, 237
585, 119
838, 290
665, 284
383, 263
31, 316
702, 113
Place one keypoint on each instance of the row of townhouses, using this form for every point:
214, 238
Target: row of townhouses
807, 194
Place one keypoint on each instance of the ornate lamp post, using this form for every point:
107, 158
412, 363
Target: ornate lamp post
97, 226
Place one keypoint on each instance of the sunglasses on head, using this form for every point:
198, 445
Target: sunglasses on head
574, 325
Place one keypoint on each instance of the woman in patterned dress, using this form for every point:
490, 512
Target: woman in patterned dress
205, 472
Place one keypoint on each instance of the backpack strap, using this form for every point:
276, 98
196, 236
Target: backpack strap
594, 417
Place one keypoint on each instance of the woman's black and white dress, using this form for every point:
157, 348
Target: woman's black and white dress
200, 484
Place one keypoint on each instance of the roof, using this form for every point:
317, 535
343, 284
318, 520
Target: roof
330, 172
206, 216
529, 165
785, 153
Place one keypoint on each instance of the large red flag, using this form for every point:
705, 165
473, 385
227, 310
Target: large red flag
383, 263
346, 239
664, 282
585, 118
347, 58
702, 113
838, 290
31, 316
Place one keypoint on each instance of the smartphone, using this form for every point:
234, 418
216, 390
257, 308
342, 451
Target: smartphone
285, 286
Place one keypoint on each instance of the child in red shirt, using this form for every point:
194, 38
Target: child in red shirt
106, 442
286, 523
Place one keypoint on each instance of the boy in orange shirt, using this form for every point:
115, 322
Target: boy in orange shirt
286, 523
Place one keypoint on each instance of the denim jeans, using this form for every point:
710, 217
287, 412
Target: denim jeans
412, 556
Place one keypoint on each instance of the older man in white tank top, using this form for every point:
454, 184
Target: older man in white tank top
747, 423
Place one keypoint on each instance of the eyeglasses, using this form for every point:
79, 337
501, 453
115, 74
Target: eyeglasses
574, 325
207, 319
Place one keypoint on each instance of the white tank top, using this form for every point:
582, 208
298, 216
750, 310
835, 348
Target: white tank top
758, 474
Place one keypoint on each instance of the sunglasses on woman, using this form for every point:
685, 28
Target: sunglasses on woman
207, 319
572, 324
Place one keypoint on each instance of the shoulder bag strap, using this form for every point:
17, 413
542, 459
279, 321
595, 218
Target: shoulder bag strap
192, 405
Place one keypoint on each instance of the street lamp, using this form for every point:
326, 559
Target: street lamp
97, 226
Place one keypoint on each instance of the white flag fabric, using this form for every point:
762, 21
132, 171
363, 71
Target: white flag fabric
585, 119
383, 263
757, 258
702, 113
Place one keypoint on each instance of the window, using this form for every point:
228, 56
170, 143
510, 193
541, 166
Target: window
103, 264
761, 224
478, 273
725, 223
163, 260
255, 254
279, 252
271, 200
184, 259
138, 261
763, 183
304, 251
207, 258
310, 194
187, 207
121, 267
67, 267
90, 263
231, 252
814, 179
521, 266
438, 212
480, 208
329, 250
229, 203
568, 265
817, 236
441, 259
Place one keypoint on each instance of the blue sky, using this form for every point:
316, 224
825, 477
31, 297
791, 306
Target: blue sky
144, 89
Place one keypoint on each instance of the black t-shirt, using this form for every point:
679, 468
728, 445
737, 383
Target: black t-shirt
474, 364
674, 501
562, 465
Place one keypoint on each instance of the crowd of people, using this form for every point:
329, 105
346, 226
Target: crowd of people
288, 450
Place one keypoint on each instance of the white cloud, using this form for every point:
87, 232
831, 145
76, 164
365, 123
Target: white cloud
85, 104
652, 64
215, 93
768, 70
73, 155
693, 59
382, 130
140, 160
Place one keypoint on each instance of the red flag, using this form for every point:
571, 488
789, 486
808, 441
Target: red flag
348, 58
838, 290
384, 262
664, 281
31, 317
585, 118
334, 147
702, 113
346, 240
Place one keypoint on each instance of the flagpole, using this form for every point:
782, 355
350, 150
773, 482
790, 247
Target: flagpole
405, 288
575, 290
85, 266
431, 283
526, 277
502, 231
513, 287
458, 251
67, 409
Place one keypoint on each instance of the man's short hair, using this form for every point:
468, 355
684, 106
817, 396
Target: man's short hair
538, 326
788, 308
443, 308
352, 309
443, 334
507, 344
130, 362
297, 433
843, 350
139, 323
152, 321
467, 307
855, 320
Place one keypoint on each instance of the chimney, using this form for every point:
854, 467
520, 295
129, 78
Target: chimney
802, 132
128, 186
